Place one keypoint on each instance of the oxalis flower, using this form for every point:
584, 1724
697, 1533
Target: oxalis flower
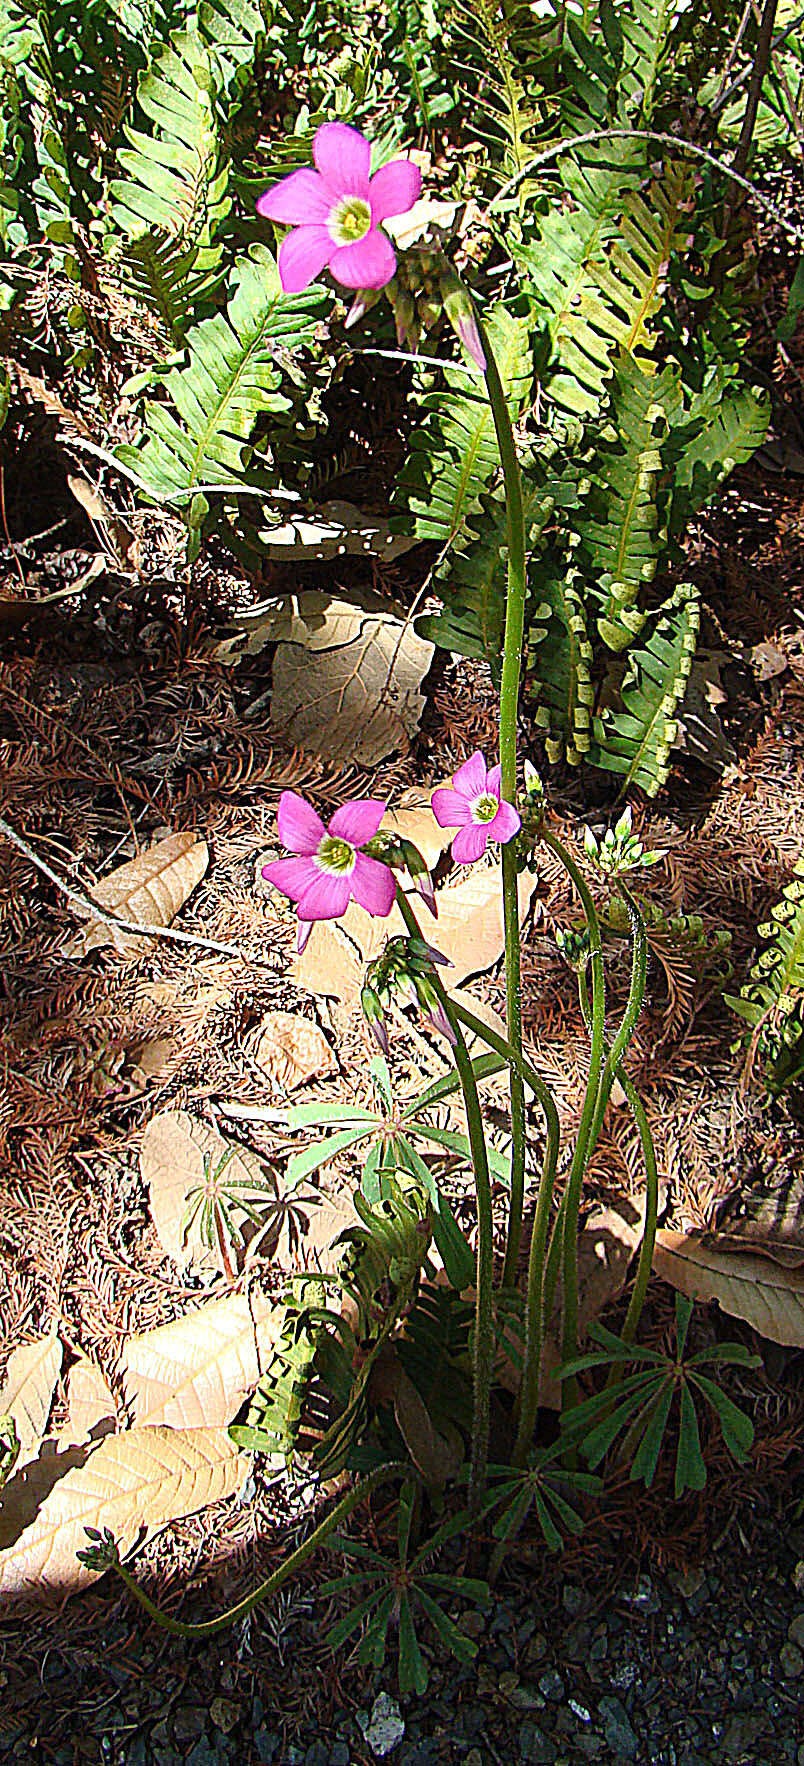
329, 869
336, 212
474, 806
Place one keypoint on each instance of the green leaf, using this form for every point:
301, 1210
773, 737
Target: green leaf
636, 742
646, 1457
690, 1468
412, 1670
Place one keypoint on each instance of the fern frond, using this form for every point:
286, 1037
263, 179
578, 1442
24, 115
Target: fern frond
492, 50
176, 182
167, 278
472, 619
771, 1001
453, 457
722, 426
646, 26
636, 741
597, 271
201, 435
621, 526
558, 668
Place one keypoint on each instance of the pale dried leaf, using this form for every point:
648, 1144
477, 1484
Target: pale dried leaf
155, 1059
291, 1050
428, 213
412, 817
118, 537
469, 931
196, 1371
149, 889
768, 660
350, 689
172, 1163
90, 1401
134, 1484
27, 1394
768, 1294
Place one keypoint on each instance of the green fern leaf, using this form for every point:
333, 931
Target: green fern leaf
646, 27
176, 182
453, 457
772, 999
636, 741
472, 620
200, 437
723, 426
558, 669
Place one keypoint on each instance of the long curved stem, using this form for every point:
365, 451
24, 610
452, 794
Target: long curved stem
509, 705
272, 1583
634, 1004
483, 1345
572, 1201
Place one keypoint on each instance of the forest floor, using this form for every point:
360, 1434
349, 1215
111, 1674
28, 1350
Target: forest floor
672, 1632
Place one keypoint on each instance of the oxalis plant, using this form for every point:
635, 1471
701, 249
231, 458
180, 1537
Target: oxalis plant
397, 1380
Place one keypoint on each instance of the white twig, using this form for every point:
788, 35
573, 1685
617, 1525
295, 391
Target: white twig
82, 899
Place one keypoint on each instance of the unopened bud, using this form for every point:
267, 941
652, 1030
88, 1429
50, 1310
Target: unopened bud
364, 300
433, 1009
375, 1017
460, 310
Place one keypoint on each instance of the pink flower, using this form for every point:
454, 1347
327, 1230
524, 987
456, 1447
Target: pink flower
336, 210
329, 869
474, 806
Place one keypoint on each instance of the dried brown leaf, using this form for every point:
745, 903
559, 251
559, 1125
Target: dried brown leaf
149, 889
90, 1401
196, 1371
412, 818
291, 1050
31, 1375
134, 1484
748, 1283
348, 686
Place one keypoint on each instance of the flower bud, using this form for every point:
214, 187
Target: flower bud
460, 310
375, 1017
364, 300
420, 875
433, 1009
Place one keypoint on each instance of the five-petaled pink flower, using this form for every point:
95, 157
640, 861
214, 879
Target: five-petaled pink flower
474, 806
336, 211
330, 868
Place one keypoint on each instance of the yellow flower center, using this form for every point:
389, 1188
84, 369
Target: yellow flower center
350, 220
485, 807
335, 856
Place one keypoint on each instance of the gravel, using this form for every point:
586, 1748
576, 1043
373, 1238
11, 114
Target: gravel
701, 1668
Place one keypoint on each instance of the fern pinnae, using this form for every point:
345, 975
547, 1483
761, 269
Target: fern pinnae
636, 741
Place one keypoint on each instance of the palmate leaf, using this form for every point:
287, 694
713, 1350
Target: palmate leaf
559, 658
200, 437
621, 525
598, 269
453, 457
636, 741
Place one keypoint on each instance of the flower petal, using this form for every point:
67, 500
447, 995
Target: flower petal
303, 255
373, 885
369, 263
297, 200
472, 777
470, 843
292, 875
394, 189
325, 898
505, 825
359, 820
494, 780
343, 156
300, 828
450, 810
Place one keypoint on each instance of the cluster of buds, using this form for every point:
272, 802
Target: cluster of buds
405, 969
619, 850
400, 854
574, 946
425, 289
104, 1551
533, 802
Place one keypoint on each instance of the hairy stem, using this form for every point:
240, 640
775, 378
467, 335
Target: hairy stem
635, 1002
278, 1577
509, 706
483, 1342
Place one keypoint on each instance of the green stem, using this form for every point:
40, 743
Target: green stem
572, 1200
635, 1002
534, 1305
483, 1343
276, 1580
509, 705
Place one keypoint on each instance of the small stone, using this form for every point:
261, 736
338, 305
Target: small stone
535, 1748
791, 1661
642, 1598
591, 1746
189, 1723
552, 1686
339, 1754
471, 1624
473, 1758
266, 1742
537, 1648
225, 1714
507, 1683
573, 1600
798, 1577
384, 1728
524, 1697
317, 1755
795, 1630
617, 1729
579, 1711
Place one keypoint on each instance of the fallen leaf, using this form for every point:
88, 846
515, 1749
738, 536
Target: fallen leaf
291, 1050
156, 1059
172, 1162
113, 531
768, 661
149, 889
412, 817
435, 1457
469, 931
196, 1371
31, 1375
90, 1402
348, 686
428, 213
134, 1484
700, 731
751, 1283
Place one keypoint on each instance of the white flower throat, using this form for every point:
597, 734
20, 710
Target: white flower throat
350, 220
